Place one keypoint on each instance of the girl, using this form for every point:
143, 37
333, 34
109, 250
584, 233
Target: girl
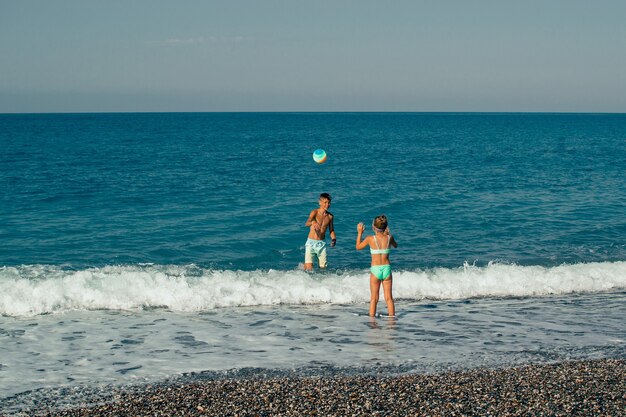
380, 245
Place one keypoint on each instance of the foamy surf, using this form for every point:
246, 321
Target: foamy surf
43, 289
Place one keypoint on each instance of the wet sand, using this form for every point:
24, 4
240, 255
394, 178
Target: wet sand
577, 388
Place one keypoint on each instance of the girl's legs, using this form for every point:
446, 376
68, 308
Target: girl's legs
391, 308
374, 291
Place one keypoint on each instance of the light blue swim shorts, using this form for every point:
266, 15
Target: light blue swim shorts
315, 248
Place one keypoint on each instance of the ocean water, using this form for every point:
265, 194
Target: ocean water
139, 247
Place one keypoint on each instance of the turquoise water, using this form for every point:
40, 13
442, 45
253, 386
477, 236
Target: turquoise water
142, 246
232, 191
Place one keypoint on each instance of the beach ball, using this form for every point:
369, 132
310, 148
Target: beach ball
319, 156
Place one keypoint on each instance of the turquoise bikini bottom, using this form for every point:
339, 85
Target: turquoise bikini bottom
382, 272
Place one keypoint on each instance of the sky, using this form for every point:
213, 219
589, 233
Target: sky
292, 55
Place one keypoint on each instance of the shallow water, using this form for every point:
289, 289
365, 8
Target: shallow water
101, 347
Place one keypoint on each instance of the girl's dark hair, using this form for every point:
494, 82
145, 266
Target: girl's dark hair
380, 222
326, 195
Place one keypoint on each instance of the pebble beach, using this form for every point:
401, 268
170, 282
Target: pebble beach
576, 388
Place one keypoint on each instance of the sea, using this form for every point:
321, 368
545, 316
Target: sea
138, 248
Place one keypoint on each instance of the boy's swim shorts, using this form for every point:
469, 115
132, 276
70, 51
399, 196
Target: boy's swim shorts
315, 248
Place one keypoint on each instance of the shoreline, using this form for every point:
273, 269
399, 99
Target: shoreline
587, 387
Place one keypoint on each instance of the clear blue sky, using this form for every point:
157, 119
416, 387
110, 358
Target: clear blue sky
291, 55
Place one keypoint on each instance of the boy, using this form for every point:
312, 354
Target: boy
319, 220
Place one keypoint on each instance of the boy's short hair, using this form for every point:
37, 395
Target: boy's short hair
326, 196
380, 222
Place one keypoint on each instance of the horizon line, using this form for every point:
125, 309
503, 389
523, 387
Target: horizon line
314, 112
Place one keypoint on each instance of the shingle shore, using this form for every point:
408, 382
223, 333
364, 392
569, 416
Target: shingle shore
577, 388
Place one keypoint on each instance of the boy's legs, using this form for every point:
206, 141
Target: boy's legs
308, 258
374, 294
321, 257
387, 284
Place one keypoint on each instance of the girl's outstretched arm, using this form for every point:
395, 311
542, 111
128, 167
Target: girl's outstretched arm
360, 228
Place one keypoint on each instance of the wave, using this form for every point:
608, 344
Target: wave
44, 289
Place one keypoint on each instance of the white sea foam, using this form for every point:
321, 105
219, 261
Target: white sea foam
40, 289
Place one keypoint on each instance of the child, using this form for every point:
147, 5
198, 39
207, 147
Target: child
380, 272
319, 220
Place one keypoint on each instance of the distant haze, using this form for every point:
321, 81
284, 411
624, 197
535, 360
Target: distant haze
353, 55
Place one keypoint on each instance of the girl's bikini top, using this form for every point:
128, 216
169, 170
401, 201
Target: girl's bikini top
380, 251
